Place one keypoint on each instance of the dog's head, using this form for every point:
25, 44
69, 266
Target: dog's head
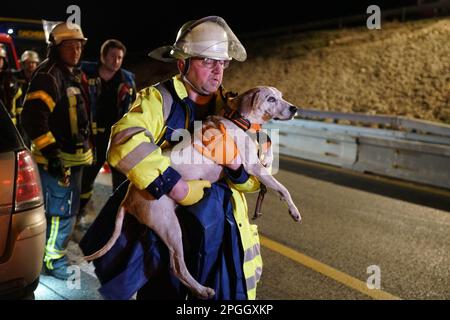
262, 104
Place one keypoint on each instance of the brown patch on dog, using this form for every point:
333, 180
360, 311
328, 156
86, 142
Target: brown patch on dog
266, 117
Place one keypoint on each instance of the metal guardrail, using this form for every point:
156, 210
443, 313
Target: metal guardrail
407, 149
394, 122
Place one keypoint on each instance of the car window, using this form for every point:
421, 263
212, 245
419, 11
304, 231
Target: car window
9, 136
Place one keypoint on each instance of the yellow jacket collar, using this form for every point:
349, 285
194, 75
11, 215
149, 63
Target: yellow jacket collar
180, 89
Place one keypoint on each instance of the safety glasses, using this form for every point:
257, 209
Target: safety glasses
212, 63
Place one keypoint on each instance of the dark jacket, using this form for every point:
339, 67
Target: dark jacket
125, 93
10, 92
56, 114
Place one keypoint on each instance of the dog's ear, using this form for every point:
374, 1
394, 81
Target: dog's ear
233, 103
244, 103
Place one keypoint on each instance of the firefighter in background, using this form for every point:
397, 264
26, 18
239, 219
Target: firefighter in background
10, 91
29, 62
229, 260
56, 119
111, 90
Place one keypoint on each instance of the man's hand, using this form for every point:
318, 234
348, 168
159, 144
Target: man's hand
189, 192
56, 168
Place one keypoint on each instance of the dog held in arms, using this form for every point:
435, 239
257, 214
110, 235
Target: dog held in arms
255, 107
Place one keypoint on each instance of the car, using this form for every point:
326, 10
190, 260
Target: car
8, 44
22, 215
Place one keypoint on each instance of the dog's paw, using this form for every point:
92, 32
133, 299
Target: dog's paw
295, 214
206, 293
267, 162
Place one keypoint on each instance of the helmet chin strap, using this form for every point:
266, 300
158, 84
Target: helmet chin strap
197, 89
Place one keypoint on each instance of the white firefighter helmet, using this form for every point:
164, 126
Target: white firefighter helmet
30, 55
209, 37
65, 31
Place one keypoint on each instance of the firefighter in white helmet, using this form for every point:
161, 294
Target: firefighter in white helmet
29, 61
56, 119
203, 50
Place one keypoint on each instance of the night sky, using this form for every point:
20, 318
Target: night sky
144, 25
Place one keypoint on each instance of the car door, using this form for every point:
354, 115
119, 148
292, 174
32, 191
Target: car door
10, 142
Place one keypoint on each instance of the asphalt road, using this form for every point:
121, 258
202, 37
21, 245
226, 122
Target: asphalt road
356, 230
352, 222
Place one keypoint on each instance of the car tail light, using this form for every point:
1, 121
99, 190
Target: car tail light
28, 183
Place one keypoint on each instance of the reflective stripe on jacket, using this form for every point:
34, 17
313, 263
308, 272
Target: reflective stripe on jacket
55, 115
134, 150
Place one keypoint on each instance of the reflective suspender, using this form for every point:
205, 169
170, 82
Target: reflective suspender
167, 99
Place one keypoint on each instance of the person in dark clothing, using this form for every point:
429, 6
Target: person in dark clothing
29, 62
56, 118
9, 88
112, 90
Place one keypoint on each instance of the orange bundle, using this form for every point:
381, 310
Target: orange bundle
217, 144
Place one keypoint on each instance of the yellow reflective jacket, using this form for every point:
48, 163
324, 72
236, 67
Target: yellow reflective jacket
136, 147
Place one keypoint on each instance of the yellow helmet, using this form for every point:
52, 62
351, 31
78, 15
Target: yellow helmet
30, 55
65, 31
209, 37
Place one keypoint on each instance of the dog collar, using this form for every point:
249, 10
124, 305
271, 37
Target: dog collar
262, 139
241, 122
